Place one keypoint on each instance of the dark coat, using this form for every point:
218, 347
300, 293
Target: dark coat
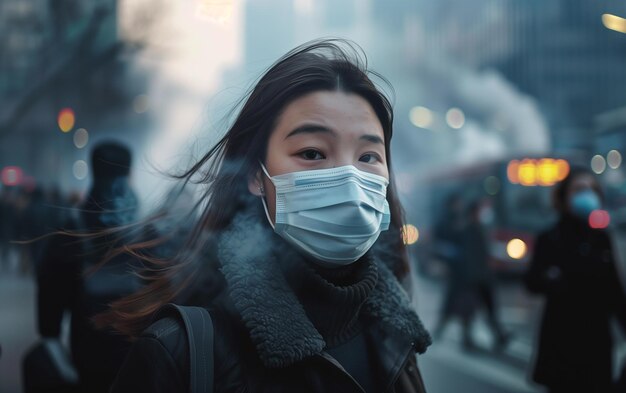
63, 287
574, 268
264, 341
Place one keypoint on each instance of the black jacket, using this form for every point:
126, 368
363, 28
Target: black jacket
574, 268
62, 286
264, 341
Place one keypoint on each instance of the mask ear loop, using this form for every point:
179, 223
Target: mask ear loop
267, 213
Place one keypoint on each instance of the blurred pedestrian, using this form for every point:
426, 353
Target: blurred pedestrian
64, 285
479, 278
6, 223
38, 219
22, 222
300, 190
448, 247
573, 266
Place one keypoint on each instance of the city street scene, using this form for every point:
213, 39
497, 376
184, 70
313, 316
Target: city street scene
313, 196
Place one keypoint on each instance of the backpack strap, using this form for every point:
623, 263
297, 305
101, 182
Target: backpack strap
199, 329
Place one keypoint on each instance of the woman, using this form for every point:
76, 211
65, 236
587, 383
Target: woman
574, 267
286, 256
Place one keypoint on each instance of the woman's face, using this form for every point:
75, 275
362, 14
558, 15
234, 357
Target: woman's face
321, 130
580, 183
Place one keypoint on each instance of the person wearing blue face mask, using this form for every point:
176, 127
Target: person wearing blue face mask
583, 202
296, 252
573, 266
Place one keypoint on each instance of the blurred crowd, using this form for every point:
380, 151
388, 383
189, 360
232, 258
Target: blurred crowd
27, 214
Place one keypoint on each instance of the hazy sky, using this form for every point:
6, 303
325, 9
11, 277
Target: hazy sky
189, 45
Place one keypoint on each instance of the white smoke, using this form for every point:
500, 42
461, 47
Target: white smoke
501, 121
512, 116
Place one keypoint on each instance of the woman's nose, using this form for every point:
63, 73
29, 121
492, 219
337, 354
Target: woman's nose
343, 160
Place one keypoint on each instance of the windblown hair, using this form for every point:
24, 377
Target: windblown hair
223, 172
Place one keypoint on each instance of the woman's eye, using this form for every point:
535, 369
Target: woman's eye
369, 158
311, 154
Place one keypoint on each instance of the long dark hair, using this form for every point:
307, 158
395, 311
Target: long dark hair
321, 65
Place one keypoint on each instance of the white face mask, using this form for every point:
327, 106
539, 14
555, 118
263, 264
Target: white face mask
334, 215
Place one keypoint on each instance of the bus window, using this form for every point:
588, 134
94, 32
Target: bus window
528, 208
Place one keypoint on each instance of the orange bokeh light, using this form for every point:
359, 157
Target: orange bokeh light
66, 119
562, 168
512, 171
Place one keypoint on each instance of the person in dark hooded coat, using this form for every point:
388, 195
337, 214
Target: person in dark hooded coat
574, 267
64, 283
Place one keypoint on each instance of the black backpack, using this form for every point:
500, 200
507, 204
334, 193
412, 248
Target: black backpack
199, 330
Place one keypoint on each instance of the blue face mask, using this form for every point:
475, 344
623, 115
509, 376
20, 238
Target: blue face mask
583, 203
333, 215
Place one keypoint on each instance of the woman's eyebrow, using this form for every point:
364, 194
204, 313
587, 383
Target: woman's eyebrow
313, 128
372, 139
309, 129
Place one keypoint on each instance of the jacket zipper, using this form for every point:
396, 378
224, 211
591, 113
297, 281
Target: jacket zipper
338, 366
399, 370
391, 384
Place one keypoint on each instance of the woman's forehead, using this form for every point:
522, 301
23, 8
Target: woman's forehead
333, 109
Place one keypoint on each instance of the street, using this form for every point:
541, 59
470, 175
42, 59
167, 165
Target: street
445, 367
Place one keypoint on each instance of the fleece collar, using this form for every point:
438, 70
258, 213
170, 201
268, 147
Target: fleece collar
275, 318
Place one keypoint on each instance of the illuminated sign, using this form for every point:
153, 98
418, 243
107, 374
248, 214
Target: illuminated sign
537, 172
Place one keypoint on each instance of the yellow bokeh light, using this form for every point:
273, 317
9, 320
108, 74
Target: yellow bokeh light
410, 234
527, 173
66, 119
614, 23
541, 172
547, 172
516, 248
